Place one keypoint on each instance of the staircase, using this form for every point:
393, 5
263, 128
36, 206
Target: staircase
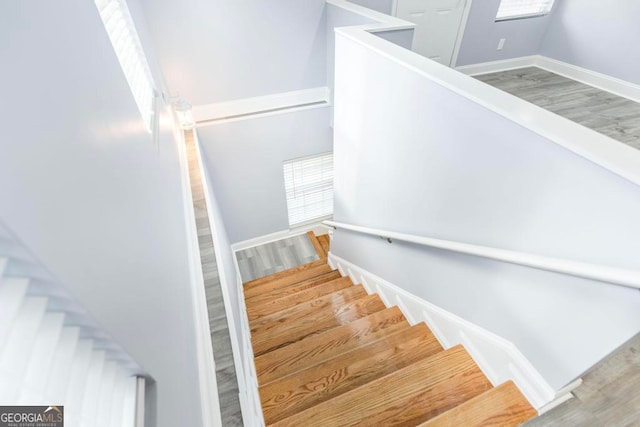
328, 354
52, 353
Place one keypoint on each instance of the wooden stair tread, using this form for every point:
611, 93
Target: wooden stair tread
406, 397
285, 281
317, 323
257, 311
502, 406
317, 348
268, 296
324, 242
284, 273
333, 377
316, 245
298, 313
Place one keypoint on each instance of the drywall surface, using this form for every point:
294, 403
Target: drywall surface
219, 50
599, 36
482, 34
338, 17
403, 38
84, 187
225, 264
414, 157
244, 162
384, 6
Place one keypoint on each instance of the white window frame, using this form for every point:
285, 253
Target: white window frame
308, 183
520, 9
126, 44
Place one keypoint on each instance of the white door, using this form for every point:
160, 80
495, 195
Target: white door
437, 26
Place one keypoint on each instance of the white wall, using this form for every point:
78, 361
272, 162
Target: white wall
84, 187
599, 36
482, 34
244, 160
412, 156
338, 17
219, 50
384, 6
224, 259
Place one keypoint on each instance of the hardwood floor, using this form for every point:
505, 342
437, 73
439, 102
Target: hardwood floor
329, 354
604, 112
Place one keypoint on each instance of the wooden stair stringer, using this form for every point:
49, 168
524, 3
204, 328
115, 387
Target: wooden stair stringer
325, 242
322, 254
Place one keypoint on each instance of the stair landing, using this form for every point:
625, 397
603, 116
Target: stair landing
329, 354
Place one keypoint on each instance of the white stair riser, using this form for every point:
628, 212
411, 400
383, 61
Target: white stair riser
12, 294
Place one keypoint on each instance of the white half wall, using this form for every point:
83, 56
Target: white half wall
84, 187
414, 156
244, 162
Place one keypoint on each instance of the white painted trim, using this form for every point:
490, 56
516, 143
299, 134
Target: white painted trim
498, 358
497, 66
139, 402
317, 227
601, 81
394, 7
600, 149
461, 30
592, 78
255, 416
385, 22
208, 387
618, 276
261, 106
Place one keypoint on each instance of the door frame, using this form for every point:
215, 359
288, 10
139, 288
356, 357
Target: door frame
463, 26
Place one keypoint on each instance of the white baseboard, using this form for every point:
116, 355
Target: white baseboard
261, 106
498, 358
592, 78
318, 228
497, 66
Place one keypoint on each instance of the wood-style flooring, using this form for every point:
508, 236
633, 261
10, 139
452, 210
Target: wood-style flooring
276, 256
609, 394
227, 382
604, 112
329, 354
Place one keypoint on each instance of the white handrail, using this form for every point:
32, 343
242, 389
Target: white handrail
618, 276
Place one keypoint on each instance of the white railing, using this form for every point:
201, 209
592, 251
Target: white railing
618, 276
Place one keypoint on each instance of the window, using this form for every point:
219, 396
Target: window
122, 33
512, 9
308, 183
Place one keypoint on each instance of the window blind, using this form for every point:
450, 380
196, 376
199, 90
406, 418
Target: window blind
124, 38
308, 185
510, 9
